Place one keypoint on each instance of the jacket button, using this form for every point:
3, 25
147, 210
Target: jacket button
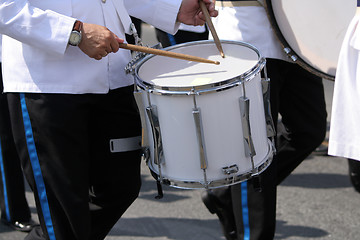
104, 1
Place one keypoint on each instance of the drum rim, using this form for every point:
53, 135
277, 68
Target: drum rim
205, 88
295, 57
192, 184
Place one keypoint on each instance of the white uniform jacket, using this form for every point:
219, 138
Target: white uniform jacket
344, 137
0, 46
36, 54
249, 24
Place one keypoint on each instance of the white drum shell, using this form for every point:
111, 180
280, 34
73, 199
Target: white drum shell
222, 131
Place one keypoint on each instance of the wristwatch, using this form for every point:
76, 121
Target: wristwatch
75, 36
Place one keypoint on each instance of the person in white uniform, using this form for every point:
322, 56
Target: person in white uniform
344, 136
74, 118
248, 210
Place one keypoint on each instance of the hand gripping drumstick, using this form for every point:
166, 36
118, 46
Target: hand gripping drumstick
211, 27
166, 53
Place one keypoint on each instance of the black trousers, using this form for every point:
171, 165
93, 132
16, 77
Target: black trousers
298, 97
13, 204
81, 187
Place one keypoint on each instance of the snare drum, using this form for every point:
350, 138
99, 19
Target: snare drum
312, 32
206, 123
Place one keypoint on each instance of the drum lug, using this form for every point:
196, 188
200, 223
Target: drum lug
245, 111
270, 128
230, 169
288, 51
155, 127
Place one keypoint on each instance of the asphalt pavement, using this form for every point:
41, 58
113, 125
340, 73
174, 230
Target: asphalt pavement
316, 202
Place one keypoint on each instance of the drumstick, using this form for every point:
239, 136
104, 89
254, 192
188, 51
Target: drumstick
166, 53
211, 27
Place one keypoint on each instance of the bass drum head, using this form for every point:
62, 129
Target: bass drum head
312, 32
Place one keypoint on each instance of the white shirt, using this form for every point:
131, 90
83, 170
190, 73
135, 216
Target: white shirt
190, 28
344, 137
40, 59
249, 24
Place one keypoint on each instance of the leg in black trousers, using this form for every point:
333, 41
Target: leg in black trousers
14, 206
298, 97
82, 187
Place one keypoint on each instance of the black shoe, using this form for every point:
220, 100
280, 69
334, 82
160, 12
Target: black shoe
224, 213
354, 173
21, 226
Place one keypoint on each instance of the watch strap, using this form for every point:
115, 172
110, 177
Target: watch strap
77, 26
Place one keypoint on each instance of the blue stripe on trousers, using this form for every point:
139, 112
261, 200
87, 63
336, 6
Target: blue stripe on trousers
6, 200
39, 181
245, 210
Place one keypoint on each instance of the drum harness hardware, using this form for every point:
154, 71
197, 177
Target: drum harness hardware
151, 112
138, 56
244, 105
270, 127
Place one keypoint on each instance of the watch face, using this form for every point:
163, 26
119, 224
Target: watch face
75, 38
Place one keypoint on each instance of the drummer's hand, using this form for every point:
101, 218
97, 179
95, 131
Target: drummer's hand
190, 12
98, 41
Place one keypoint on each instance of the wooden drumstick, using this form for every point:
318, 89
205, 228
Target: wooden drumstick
211, 27
166, 53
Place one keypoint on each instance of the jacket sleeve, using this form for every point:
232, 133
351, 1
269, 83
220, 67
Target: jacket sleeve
160, 13
48, 30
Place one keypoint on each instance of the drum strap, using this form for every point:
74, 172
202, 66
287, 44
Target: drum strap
239, 3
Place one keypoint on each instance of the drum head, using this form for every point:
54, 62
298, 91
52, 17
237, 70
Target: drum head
159, 72
312, 32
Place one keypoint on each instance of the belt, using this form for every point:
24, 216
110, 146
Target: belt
240, 3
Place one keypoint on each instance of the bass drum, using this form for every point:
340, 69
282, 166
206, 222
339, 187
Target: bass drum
311, 32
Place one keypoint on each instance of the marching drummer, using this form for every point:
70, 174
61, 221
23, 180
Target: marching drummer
344, 138
297, 96
70, 99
